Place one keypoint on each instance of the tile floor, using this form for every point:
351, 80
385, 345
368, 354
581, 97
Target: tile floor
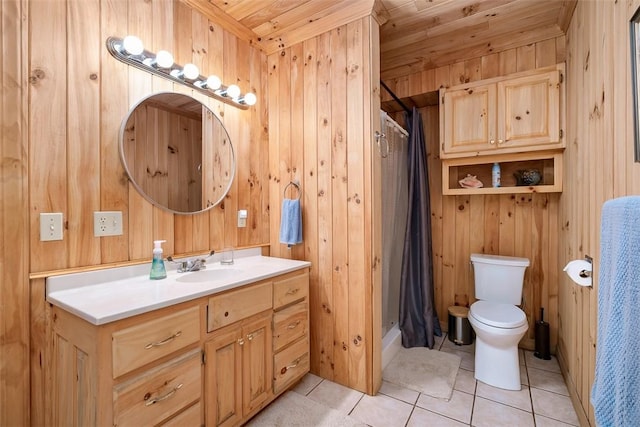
542, 402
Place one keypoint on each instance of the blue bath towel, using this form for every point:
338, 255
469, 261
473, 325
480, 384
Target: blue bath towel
291, 222
616, 388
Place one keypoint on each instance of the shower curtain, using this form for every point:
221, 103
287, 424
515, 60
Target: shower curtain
418, 317
394, 151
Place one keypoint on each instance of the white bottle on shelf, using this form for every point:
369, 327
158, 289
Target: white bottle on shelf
495, 175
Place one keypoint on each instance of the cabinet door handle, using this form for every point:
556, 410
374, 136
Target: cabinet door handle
293, 325
492, 141
164, 341
500, 141
241, 341
292, 291
253, 334
166, 396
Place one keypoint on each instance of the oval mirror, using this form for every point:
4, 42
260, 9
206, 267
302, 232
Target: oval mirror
177, 153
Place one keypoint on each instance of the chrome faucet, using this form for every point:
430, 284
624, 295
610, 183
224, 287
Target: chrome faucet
189, 265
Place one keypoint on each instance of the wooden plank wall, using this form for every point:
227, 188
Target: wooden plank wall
80, 94
522, 225
599, 166
63, 100
14, 223
320, 108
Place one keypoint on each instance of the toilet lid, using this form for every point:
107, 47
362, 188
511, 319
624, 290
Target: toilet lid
497, 314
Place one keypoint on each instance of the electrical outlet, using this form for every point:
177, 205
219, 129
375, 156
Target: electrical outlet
50, 226
108, 223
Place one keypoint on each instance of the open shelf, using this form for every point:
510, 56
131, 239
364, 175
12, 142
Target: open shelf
548, 163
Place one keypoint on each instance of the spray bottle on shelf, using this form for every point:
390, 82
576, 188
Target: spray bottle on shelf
158, 270
495, 175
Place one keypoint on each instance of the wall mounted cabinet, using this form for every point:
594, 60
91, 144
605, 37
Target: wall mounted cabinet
512, 114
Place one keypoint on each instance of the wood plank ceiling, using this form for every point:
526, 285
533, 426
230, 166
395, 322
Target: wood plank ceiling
415, 35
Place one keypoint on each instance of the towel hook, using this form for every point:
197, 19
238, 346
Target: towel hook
295, 184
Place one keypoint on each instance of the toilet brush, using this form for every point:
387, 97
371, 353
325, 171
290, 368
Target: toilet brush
542, 338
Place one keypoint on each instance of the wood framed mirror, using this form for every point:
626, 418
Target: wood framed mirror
177, 153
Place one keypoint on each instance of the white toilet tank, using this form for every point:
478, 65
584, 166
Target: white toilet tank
499, 278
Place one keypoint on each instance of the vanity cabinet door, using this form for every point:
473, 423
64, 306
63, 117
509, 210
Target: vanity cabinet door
238, 371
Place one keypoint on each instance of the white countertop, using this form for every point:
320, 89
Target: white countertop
104, 296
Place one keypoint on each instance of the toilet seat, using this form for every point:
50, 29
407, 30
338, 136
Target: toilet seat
498, 315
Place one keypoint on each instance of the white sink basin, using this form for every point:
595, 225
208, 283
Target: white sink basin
213, 275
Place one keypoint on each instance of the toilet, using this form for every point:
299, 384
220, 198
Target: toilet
496, 320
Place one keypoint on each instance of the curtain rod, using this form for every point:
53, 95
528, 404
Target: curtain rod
395, 97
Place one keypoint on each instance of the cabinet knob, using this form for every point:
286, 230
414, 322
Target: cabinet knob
492, 141
241, 341
500, 141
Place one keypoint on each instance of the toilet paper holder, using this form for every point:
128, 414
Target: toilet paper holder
583, 276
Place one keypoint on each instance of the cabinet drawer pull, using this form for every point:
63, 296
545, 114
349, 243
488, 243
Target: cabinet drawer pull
293, 325
292, 291
500, 141
293, 365
164, 341
493, 141
241, 341
166, 396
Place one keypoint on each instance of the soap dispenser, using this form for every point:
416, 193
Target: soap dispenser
157, 265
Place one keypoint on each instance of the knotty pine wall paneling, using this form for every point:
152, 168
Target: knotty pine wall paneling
524, 225
321, 98
14, 216
80, 95
599, 166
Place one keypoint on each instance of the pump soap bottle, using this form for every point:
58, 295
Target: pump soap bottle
157, 265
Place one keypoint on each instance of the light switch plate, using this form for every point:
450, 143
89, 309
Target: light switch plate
107, 223
50, 226
242, 218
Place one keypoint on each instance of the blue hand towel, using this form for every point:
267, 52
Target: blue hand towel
291, 222
616, 385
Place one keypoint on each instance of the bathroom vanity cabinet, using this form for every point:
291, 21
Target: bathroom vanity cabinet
216, 359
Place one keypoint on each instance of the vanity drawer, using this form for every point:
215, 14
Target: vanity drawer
158, 393
141, 344
290, 324
291, 364
236, 305
189, 417
290, 289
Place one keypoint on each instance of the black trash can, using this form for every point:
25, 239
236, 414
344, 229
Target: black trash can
460, 330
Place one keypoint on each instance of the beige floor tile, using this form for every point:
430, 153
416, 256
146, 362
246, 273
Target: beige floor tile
524, 377
547, 380
487, 413
421, 418
471, 348
458, 408
382, 411
400, 393
547, 365
467, 359
465, 381
307, 383
553, 405
518, 399
336, 396
548, 422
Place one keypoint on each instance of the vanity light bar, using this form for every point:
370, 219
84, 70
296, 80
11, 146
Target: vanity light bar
130, 50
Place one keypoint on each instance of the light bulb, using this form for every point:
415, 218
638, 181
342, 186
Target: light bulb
233, 91
190, 71
133, 45
249, 99
214, 83
164, 59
